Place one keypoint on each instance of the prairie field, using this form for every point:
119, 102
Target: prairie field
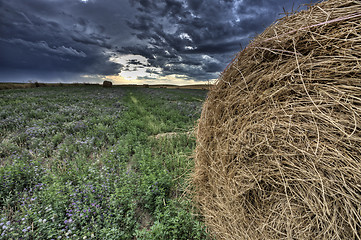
87, 162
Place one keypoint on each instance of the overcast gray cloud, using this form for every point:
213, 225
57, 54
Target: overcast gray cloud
79, 40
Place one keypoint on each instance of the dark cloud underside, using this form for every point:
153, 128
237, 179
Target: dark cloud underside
67, 39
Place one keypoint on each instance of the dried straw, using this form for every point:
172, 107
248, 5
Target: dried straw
279, 141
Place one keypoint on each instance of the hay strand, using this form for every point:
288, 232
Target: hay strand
279, 141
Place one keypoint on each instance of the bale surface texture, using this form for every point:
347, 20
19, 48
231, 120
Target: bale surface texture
279, 140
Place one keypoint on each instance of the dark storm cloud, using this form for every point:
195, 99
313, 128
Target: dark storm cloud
217, 29
45, 49
194, 4
65, 36
194, 39
137, 62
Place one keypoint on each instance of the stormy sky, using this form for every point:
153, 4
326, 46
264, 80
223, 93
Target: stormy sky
128, 41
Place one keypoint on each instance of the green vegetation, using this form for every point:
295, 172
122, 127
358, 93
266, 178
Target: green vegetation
87, 162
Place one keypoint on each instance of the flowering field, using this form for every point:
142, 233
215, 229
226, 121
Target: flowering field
87, 162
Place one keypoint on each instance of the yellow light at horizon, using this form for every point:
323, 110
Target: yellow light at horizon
170, 79
173, 79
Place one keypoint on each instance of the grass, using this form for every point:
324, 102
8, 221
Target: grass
84, 162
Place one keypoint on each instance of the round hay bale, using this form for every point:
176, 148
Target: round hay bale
278, 151
107, 84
